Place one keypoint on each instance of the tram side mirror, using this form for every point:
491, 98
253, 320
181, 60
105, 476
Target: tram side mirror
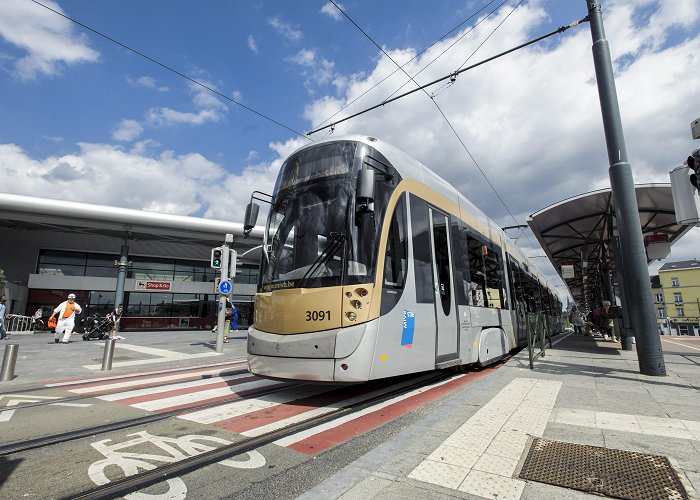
251, 217
364, 195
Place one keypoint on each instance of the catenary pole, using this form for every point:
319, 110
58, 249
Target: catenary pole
649, 353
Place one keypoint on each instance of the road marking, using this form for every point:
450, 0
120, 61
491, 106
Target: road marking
161, 356
18, 399
81, 381
680, 344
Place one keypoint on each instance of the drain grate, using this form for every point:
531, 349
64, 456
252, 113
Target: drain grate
614, 473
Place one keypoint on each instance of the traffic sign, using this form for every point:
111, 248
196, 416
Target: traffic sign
225, 287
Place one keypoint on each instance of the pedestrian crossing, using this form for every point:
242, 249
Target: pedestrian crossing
253, 406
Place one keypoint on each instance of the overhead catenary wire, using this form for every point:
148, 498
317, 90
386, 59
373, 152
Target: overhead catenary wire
347, 105
173, 70
561, 29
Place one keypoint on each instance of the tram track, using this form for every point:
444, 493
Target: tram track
161, 473
125, 376
63, 437
74, 399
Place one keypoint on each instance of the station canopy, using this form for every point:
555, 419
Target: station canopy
576, 233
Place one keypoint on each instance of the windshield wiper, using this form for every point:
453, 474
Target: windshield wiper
325, 256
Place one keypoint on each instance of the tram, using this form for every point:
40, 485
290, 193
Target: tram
373, 266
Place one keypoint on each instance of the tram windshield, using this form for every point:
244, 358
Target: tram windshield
314, 238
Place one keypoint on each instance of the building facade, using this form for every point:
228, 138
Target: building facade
680, 282
49, 248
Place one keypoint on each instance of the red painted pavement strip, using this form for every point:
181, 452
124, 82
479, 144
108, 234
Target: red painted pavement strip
148, 381
331, 437
292, 408
229, 398
204, 386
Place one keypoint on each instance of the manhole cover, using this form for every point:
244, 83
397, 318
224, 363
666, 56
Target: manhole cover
614, 473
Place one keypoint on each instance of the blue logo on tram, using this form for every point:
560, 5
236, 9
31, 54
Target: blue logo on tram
409, 320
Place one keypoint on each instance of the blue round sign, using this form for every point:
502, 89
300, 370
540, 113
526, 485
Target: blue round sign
225, 287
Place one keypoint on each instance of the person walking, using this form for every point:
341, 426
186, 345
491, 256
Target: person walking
66, 312
234, 319
576, 320
3, 331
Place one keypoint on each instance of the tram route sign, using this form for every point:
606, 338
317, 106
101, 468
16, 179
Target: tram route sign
161, 286
225, 287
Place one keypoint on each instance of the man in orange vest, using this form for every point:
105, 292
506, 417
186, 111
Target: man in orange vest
66, 318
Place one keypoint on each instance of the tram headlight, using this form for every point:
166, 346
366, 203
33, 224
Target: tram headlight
356, 304
351, 316
362, 292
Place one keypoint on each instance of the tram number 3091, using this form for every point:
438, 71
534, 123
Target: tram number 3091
318, 315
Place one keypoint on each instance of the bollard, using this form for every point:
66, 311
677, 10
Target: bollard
8, 362
108, 355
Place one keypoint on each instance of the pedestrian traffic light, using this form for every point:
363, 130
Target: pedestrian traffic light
216, 258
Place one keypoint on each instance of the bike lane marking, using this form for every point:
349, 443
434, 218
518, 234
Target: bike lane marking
171, 450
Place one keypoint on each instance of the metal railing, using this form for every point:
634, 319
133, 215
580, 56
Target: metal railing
537, 333
17, 323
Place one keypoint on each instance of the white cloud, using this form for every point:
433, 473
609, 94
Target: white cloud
127, 131
47, 39
252, 45
147, 82
209, 108
285, 29
330, 10
317, 71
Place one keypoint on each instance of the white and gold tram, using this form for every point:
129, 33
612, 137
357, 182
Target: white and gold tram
374, 266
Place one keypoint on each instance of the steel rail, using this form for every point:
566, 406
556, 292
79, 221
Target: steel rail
161, 473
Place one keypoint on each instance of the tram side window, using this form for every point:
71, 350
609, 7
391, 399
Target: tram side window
477, 284
460, 249
396, 259
494, 278
421, 251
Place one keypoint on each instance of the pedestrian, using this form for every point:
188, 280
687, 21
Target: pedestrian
66, 312
234, 318
604, 321
3, 331
228, 315
576, 320
115, 317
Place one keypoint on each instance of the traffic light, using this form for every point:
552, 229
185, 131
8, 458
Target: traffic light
232, 264
216, 258
693, 162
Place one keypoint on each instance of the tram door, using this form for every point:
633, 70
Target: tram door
445, 307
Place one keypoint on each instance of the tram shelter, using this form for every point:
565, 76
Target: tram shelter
579, 236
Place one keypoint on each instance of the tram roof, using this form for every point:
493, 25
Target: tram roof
41, 214
578, 230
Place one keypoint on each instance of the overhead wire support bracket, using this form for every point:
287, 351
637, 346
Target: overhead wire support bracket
454, 74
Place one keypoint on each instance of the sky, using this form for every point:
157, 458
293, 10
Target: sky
186, 107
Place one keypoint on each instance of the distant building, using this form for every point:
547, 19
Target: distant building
680, 282
657, 291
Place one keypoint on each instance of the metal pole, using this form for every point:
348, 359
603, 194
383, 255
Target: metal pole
123, 265
627, 318
649, 353
222, 299
108, 355
8, 362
